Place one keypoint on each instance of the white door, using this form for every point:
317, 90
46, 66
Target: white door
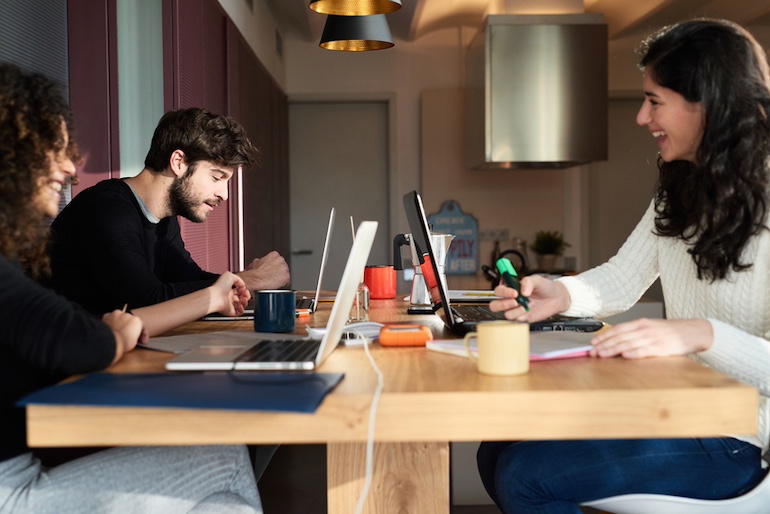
338, 157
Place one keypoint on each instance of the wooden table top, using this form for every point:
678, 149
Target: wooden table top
430, 396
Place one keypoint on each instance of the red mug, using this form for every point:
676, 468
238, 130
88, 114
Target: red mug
381, 281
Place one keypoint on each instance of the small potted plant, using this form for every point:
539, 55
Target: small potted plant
548, 245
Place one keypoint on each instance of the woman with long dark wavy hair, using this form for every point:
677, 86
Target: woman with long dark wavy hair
44, 338
706, 237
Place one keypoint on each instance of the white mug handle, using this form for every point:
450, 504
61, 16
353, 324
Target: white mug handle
466, 340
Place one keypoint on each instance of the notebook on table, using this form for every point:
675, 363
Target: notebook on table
462, 317
282, 354
309, 303
542, 345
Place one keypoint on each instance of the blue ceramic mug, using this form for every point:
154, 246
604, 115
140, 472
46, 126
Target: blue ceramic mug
274, 310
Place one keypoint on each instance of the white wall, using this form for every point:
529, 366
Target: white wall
411, 71
519, 201
401, 73
259, 30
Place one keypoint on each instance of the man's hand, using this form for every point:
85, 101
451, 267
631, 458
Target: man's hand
269, 272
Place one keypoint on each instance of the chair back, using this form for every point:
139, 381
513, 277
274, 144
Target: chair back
756, 501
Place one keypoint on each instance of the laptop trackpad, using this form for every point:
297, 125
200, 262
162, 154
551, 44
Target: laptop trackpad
208, 357
225, 352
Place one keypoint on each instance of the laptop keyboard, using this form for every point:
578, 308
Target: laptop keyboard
470, 312
277, 350
304, 303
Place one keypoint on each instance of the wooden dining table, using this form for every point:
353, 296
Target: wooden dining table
429, 399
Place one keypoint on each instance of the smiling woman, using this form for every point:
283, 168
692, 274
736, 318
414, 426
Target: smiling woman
676, 123
715, 137
705, 235
62, 170
30, 183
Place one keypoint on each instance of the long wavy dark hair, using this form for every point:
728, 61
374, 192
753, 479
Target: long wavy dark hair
32, 109
718, 204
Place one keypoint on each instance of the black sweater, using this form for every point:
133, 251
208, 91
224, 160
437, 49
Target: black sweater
105, 253
43, 339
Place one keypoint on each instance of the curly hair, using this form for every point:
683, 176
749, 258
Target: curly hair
202, 136
32, 109
718, 204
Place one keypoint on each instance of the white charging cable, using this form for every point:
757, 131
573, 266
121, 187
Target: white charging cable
372, 417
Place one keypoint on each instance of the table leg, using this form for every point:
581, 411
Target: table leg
407, 478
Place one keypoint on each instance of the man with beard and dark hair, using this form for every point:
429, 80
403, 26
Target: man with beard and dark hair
119, 243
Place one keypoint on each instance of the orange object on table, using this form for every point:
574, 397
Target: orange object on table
405, 335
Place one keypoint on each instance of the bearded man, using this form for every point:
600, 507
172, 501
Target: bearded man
119, 243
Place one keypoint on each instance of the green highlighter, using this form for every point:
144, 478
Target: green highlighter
511, 278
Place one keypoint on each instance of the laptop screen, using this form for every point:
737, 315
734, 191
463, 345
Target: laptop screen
418, 224
324, 258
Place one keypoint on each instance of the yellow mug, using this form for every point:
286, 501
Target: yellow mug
503, 347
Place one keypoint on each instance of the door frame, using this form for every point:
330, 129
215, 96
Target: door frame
395, 195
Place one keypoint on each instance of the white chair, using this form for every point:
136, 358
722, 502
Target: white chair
756, 501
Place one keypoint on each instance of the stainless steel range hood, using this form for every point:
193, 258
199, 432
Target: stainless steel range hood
537, 92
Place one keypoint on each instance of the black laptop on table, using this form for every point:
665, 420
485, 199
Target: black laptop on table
462, 318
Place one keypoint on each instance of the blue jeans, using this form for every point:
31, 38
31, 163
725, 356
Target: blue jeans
554, 477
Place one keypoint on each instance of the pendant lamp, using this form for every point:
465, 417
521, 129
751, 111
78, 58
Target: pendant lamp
356, 33
355, 7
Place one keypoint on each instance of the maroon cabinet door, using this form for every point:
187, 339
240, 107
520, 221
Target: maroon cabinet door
195, 63
93, 70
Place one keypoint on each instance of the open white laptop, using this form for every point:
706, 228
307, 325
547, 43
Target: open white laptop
305, 302
312, 303
285, 354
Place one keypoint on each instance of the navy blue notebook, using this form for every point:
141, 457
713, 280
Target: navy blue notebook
287, 392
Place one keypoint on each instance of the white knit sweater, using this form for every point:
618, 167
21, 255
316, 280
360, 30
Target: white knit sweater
737, 307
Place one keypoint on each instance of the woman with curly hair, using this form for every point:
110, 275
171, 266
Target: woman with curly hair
29, 131
44, 338
706, 235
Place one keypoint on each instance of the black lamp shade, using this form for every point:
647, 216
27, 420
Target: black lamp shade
355, 7
356, 33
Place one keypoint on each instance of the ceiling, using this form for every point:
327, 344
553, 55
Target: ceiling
623, 17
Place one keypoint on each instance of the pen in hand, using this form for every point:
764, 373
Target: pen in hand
511, 279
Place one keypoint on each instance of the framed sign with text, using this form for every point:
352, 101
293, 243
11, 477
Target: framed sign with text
463, 255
